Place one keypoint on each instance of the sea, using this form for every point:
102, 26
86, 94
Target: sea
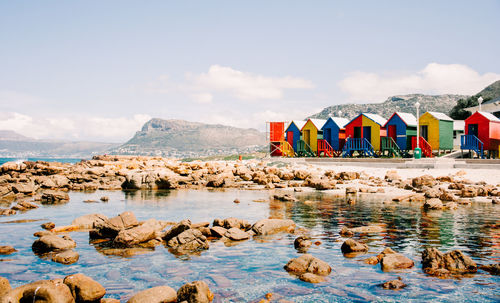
20, 160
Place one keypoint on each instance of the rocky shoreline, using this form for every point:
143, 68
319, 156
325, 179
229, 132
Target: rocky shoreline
23, 186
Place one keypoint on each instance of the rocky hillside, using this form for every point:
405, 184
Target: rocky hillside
179, 138
402, 103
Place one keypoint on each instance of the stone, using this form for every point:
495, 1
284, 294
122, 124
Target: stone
52, 197
425, 180
435, 262
104, 199
48, 225
236, 234
84, 288
89, 221
433, 203
109, 300
7, 250
25, 188
493, 269
218, 231
158, 294
302, 243
195, 292
451, 205
392, 175
447, 196
42, 233
52, 242
348, 175
319, 184
308, 263
353, 246
175, 230
188, 241
394, 261
300, 174
111, 227
311, 278
350, 190
148, 230
285, 198
215, 181
271, 226
4, 286
368, 229
432, 193
232, 222
53, 291
66, 257
468, 192
346, 232
394, 284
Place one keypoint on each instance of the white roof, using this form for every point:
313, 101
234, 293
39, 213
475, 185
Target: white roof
458, 125
318, 123
489, 116
408, 119
376, 118
440, 116
341, 122
298, 123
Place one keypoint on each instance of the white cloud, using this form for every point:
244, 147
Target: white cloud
203, 98
433, 79
73, 127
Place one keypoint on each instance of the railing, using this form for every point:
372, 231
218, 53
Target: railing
423, 144
472, 142
282, 148
388, 143
357, 144
304, 150
325, 148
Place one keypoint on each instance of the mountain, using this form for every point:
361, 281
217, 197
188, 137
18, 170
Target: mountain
492, 91
179, 138
16, 145
400, 103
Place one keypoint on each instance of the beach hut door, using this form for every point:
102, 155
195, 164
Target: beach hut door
357, 132
327, 135
424, 132
289, 138
392, 132
307, 136
367, 133
473, 130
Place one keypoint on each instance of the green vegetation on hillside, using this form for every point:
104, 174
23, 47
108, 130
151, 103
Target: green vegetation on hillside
458, 112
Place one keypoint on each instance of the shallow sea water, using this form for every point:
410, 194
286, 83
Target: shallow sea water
246, 271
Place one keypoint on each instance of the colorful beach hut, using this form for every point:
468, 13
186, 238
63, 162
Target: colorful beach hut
482, 133
401, 127
367, 126
293, 133
310, 132
437, 129
334, 132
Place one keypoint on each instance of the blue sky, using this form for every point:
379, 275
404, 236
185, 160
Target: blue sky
70, 69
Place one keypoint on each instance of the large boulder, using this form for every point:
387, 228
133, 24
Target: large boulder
232, 223
49, 243
4, 286
66, 257
175, 230
84, 289
236, 234
189, 241
425, 180
53, 197
26, 188
159, 294
111, 227
148, 230
271, 226
392, 261
468, 192
89, 221
53, 291
195, 292
302, 243
353, 246
433, 203
437, 263
493, 269
308, 263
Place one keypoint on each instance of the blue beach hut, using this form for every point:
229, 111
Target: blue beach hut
292, 133
332, 129
401, 127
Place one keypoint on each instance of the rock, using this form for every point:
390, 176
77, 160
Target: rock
236, 201
90, 221
350, 190
159, 294
271, 226
109, 300
451, 205
232, 222
433, 203
66, 257
319, 184
348, 175
311, 278
447, 196
493, 269
104, 199
111, 227
371, 260
42, 233
195, 292
392, 175
435, 262
7, 212
495, 201
4, 286
346, 232
368, 229
308, 263
468, 192
218, 231
432, 193
24, 205
284, 197
394, 284
148, 230
52, 197
392, 261
236, 234
84, 289
48, 225
52, 242
300, 174
352, 246
302, 243
53, 291
7, 250
175, 230
25, 188
189, 241
215, 181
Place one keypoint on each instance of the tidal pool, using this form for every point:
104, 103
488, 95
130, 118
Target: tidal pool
245, 272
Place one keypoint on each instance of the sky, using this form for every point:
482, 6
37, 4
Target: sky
98, 70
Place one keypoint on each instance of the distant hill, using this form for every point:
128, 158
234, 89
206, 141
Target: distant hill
179, 138
401, 103
16, 145
492, 91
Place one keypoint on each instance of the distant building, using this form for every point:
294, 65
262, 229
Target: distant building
491, 106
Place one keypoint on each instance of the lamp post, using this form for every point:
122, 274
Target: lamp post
340, 113
480, 100
417, 152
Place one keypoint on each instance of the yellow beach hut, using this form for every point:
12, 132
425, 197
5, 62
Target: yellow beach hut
310, 132
437, 129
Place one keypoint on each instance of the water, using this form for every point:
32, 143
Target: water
247, 271
20, 160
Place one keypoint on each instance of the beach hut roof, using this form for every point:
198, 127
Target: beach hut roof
341, 122
299, 123
489, 116
408, 119
440, 116
317, 122
458, 125
376, 118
